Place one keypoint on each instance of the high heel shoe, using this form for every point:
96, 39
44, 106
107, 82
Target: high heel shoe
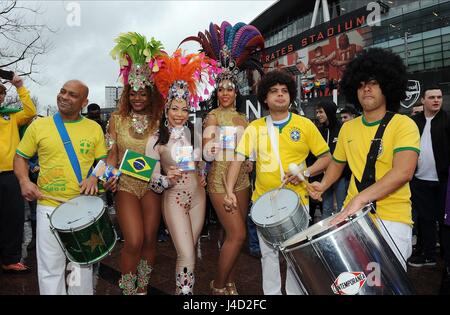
231, 288
215, 291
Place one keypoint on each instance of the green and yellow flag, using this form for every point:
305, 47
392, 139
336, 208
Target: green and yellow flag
137, 165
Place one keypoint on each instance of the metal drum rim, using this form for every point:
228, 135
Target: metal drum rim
281, 221
328, 232
69, 256
82, 226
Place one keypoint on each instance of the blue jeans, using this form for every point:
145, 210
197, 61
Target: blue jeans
338, 189
253, 242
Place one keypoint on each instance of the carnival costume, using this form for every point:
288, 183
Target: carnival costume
184, 202
234, 48
138, 63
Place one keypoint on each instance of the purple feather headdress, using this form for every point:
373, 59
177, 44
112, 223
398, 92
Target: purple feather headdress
231, 46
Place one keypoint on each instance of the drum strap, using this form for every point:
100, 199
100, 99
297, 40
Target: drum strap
274, 143
68, 146
368, 177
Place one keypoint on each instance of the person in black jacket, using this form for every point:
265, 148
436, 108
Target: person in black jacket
329, 127
429, 184
93, 112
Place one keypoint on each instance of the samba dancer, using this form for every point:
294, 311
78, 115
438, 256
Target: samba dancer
183, 187
375, 82
57, 179
224, 122
296, 137
139, 110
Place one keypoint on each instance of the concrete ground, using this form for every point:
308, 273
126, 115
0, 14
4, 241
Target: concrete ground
427, 280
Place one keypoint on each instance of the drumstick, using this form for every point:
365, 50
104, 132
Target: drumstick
283, 183
274, 194
59, 200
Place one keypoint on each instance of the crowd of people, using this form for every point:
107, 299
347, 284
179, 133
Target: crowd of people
403, 173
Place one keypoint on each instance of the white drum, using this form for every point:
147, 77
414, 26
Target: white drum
351, 257
279, 215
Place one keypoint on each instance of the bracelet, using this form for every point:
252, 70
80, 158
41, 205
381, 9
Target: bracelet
158, 185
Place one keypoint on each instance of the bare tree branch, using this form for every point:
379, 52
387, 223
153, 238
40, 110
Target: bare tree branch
8, 9
22, 40
22, 56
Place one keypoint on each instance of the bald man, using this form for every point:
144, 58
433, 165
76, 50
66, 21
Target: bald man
58, 179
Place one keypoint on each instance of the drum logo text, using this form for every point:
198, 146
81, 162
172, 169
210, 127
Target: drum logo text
349, 283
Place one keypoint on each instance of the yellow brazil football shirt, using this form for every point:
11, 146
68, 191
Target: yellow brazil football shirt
9, 129
56, 176
353, 146
296, 139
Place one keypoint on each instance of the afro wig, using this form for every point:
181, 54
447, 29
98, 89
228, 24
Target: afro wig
379, 64
273, 78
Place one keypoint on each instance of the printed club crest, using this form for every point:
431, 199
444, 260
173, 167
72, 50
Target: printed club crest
412, 94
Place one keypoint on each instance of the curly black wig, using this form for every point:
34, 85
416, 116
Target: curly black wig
379, 64
273, 78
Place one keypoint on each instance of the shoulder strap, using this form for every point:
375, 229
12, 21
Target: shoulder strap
68, 146
274, 142
368, 177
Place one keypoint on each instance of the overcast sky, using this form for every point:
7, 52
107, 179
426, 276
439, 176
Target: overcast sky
82, 52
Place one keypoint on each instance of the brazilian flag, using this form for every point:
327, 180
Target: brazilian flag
137, 165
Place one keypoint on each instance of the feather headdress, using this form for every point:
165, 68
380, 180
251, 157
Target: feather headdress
136, 58
233, 47
181, 76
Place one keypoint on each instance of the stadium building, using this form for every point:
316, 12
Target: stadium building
315, 40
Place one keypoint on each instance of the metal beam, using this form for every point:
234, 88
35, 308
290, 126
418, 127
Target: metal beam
315, 13
326, 11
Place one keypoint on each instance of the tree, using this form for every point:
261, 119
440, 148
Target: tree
21, 38
14, 101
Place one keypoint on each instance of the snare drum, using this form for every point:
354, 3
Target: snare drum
83, 229
279, 215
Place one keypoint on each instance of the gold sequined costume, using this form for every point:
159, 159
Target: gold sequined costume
226, 117
127, 139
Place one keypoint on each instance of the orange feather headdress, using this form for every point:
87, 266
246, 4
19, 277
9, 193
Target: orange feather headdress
180, 76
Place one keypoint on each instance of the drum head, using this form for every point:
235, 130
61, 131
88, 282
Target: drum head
269, 210
319, 229
310, 232
77, 212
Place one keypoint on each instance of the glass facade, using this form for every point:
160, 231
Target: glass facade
420, 37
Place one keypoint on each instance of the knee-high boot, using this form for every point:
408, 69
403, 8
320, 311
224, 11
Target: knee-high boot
184, 279
144, 271
127, 283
